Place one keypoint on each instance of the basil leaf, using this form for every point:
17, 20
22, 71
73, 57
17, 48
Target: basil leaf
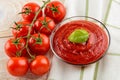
78, 36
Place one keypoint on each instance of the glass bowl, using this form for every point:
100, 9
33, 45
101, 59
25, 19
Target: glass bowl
82, 57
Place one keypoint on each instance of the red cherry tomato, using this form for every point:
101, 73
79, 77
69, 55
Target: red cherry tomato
40, 65
29, 10
55, 10
17, 66
44, 25
13, 46
21, 29
39, 44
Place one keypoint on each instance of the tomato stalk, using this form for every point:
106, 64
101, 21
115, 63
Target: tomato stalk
34, 19
18, 54
45, 24
16, 42
18, 26
54, 9
38, 40
32, 23
32, 56
27, 11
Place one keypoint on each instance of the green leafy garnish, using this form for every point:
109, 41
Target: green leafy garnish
78, 36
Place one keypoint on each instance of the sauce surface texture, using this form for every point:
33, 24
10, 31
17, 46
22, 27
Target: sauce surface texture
77, 53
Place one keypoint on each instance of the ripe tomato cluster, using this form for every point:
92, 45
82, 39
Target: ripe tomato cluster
30, 41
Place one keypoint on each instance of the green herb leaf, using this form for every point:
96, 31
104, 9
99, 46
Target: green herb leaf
78, 36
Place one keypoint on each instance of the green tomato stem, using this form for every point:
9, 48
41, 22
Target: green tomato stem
32, 23
32, 56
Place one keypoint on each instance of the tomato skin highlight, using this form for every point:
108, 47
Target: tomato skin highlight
23, 30
40, 65
33, 8
44, 25
39, 49
17, 66
11, 49
56, 14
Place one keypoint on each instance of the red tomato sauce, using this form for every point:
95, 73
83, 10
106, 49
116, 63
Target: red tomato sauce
77, 53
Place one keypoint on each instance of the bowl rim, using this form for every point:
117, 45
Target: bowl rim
57, 27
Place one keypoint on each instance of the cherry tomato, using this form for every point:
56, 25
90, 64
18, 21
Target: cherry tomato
29, 10
55, 10
40, 65
21, 29
13, 46
44, 25
17, 66
39, 44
